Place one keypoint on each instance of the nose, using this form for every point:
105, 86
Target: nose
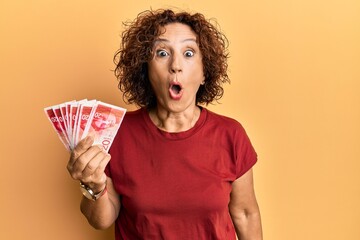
175, 64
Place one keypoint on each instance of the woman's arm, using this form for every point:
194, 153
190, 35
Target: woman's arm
87, 164
244, 209
102, 213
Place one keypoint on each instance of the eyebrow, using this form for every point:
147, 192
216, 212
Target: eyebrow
166, 40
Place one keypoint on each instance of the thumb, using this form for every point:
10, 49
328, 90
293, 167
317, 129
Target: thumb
83, 145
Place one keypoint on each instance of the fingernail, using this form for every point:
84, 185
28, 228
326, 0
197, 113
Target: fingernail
89, 139
101, 147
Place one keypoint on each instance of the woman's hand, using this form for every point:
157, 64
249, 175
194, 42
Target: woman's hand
87, 164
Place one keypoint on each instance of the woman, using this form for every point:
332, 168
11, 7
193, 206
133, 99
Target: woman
178, 170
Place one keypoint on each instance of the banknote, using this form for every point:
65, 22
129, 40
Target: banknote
64, 110
57, 111
105, 122
57, 126
85, 113
74, 120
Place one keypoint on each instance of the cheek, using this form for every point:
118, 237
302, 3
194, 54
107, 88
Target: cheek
156, 70
198, 64
198, 72
152, 73
157, 79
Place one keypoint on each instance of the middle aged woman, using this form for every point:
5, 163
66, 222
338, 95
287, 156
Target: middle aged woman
178, 170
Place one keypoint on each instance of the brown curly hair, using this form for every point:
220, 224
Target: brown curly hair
136, 51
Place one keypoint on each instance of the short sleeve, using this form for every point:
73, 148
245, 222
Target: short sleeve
246, 157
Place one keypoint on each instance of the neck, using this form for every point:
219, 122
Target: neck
175, 121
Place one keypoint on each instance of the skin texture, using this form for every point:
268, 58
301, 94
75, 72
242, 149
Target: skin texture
176, 60
244, 209
87, 164
135, 52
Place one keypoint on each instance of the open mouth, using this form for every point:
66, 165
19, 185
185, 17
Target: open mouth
175, 90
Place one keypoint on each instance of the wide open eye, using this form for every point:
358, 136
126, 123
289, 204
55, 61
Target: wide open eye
162, 53
189, 53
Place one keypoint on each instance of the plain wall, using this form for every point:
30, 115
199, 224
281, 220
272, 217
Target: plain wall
295, 71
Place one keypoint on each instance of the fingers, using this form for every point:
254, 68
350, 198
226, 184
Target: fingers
76, 166
80, 148
94, 170
87, 163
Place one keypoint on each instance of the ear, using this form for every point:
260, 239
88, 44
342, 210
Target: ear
203, 81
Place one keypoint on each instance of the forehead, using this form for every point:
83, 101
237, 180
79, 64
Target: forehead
177, 31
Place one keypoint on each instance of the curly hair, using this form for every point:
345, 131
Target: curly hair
136, 51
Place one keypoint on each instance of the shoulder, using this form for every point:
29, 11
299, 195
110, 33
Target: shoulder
133, 116
133, 122
227, 127
131, 127
222, 120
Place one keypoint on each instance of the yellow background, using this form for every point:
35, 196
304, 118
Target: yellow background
295, 71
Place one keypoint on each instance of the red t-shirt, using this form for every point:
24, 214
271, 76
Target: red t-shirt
177, 185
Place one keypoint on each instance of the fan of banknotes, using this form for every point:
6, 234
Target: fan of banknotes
74, 120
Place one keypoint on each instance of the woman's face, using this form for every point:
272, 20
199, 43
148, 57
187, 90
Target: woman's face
176, 69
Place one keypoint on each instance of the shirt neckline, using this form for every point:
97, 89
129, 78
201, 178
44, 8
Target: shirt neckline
175, 135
